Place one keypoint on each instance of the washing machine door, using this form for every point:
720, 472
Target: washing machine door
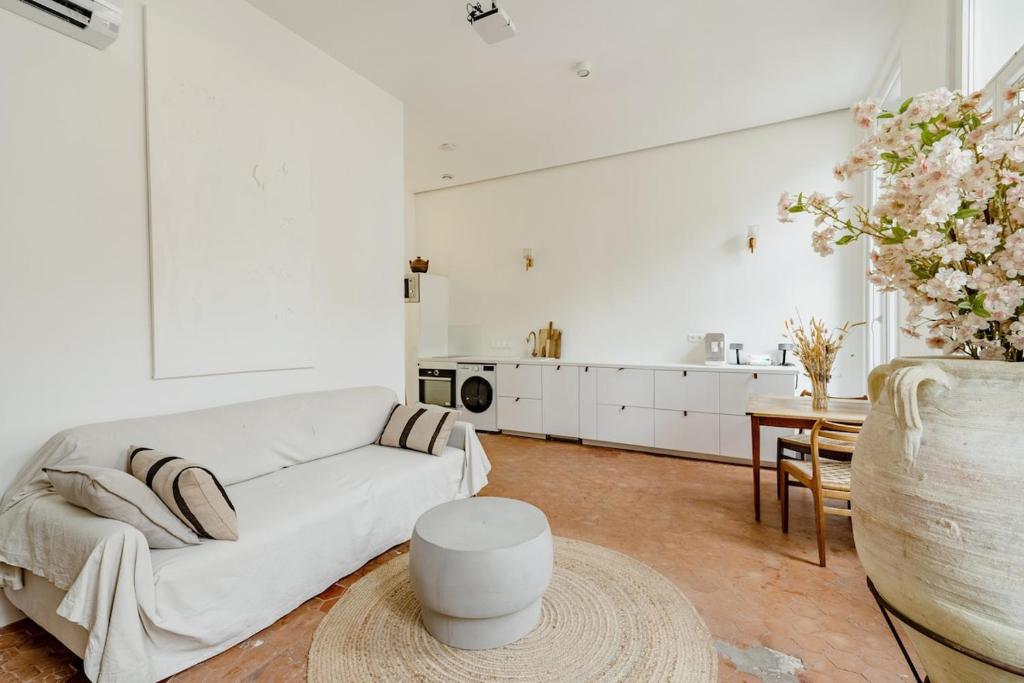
477, 394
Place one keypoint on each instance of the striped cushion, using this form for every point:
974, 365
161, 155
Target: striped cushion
189, 490
418, 428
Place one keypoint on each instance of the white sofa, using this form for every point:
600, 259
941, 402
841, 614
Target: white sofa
315, 497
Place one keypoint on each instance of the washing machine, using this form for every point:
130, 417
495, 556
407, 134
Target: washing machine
476, 395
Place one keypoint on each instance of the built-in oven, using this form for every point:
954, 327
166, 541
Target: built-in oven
437, 387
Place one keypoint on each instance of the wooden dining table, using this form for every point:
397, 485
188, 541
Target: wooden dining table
794, 412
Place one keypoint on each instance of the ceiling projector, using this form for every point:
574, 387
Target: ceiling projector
493, 25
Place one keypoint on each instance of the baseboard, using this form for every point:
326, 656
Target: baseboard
708, 457
525, 435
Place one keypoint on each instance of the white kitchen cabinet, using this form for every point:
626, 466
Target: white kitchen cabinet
561, 391
520, 415
690, 409
625, 424
686, 390
735, 389
625, 387
689, 431
519, 380
588, 402
734, 438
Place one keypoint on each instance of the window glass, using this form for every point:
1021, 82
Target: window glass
998, 33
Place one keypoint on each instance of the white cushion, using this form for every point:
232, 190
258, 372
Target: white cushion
243, 440
118, 495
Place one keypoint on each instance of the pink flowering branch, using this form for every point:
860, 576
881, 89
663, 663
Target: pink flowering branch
947, 227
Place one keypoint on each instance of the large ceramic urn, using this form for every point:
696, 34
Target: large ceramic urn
938, 507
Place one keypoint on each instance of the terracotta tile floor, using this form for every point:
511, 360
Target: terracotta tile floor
690, 520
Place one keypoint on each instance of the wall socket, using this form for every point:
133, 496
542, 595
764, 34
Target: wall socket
694, 337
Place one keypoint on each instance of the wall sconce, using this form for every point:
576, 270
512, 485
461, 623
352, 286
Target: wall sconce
528, 258
752, 233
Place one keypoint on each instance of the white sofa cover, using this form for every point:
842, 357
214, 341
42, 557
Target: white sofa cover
315, 497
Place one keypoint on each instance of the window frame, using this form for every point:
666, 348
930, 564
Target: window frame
881, 308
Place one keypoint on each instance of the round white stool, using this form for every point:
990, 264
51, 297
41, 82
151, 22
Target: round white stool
479, 568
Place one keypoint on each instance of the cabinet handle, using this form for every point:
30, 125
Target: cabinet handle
620, 369
622, 408
517, 400
558, 367
517, 367
684, 373
586, 369
755, 375
686, 413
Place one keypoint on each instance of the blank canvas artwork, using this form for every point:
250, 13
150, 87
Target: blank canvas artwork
230, 216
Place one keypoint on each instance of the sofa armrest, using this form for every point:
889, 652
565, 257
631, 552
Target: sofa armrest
54, 539
460, 432
475, 463
106, 569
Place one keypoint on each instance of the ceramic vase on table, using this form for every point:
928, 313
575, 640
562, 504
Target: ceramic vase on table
938, 507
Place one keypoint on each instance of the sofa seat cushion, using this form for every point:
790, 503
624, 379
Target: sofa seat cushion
300, 529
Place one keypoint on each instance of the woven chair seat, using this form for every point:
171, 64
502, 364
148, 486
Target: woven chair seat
801, 443
835, 474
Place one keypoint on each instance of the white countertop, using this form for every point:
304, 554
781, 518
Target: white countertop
451, 362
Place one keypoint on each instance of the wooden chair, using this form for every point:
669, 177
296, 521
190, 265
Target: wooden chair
824, 477
800, 444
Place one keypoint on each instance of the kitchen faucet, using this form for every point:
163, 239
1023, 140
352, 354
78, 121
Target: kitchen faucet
534, 335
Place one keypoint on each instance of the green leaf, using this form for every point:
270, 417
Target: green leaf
967, 213
906, 104
886, 115
978, 306
926, 271
845, 239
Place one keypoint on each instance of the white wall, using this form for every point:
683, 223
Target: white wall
412, 312
924, 42
74, 265
635, 251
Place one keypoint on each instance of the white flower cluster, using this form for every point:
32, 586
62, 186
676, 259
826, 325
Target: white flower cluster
948, 223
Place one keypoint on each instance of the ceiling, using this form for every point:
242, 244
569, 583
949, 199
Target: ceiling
663, 71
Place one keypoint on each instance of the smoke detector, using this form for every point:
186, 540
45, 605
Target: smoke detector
582, 69
493, 24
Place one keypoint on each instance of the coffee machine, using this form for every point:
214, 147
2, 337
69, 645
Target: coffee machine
715, 348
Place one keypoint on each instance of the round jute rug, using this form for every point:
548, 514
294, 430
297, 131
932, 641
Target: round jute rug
606, 617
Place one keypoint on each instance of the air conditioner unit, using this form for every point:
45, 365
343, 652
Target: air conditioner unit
96, 22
